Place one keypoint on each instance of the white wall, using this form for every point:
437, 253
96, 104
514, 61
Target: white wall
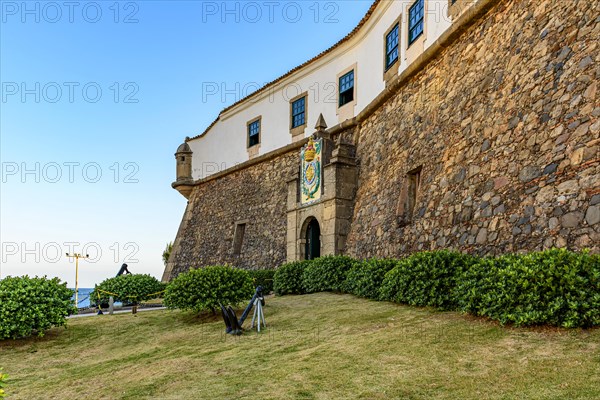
224, 145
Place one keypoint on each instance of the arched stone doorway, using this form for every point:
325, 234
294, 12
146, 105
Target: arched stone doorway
312, 244
320, 227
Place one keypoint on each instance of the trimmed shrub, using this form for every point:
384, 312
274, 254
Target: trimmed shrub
131, 288
264, 278
475, 284
555, 287
3, 378
33, 305
365, 278
427, 279
327, 274
204, 288
288, 278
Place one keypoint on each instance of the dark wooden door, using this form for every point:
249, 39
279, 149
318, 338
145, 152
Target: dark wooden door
313, 240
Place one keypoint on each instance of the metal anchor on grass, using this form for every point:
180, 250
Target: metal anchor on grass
233, 326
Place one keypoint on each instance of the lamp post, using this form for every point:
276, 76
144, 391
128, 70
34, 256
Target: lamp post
77, 256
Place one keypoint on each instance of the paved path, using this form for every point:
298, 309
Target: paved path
117, 312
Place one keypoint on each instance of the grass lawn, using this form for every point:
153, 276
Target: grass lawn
321, 346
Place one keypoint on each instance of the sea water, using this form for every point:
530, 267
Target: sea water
84, 297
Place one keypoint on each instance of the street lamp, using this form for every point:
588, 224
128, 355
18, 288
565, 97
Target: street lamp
77, 256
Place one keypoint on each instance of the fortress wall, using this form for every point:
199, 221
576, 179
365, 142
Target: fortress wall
493, 147
505, 126
256, 196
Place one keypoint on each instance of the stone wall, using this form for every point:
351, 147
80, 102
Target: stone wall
256, 196
498, 136
333, 212
504, 123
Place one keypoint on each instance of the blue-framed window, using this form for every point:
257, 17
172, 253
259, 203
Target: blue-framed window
299, 112
391, 46
346, 88
254, 133
416, 19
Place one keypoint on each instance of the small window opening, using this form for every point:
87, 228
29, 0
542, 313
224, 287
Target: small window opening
238, 239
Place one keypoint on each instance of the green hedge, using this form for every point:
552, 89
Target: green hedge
3, 378
288, 278
327, 274
33, 305
427, 279
365, 278
204, 288
554, 287
264, 278
131, 288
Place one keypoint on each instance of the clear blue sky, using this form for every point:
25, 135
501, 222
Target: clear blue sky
80, 166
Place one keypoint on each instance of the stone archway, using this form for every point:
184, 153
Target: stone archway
319, 227
312, 236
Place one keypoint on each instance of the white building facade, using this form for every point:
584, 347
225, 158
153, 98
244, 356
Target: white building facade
339, 84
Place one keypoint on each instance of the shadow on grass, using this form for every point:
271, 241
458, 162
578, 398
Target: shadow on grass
193, 318
50, 336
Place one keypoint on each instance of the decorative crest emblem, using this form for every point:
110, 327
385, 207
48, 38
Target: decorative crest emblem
310, 180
